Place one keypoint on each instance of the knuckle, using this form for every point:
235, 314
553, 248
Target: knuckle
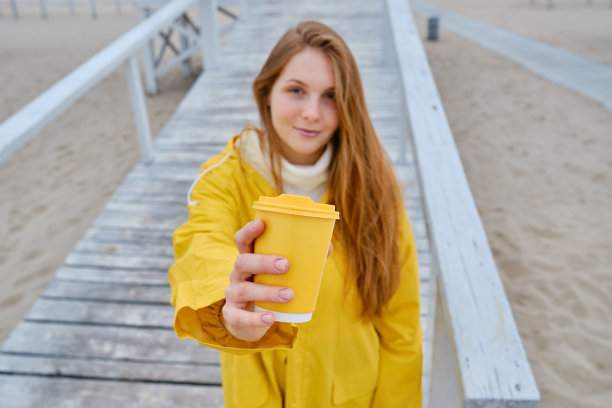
233, 275
227, 315
228, 294
240, 262
242, 291
255, 319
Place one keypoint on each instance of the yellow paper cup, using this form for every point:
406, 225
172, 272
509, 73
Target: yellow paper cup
300, 230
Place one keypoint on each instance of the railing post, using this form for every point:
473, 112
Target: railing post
148, 55
444, 389
209, 34
14, 8
184, 46
388, 45
43, 8
139, 108
94, 11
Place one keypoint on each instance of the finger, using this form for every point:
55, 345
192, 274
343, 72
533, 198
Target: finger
246, 235
240, 318
247, 265
245, 292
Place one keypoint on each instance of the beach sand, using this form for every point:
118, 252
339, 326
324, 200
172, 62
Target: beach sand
537, 157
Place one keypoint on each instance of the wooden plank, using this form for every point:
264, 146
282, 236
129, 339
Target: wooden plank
167, 171
157, 198
28, 391
130, 293
153, 196
120, 235
87, 368
163, 250
152, 221
106, 342
175, 188
116, 276
159, 315
146, 262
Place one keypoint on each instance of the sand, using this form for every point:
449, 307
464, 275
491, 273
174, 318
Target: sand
536, 155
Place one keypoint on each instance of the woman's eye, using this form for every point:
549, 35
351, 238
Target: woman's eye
330, 95
295, 90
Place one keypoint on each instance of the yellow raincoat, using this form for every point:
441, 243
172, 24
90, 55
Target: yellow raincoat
336, 359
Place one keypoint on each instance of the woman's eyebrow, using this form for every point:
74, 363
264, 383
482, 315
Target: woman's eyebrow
296, 81
331, 88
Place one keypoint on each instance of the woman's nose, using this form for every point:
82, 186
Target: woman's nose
311, 110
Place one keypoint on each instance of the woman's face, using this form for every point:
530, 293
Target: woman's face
303, 108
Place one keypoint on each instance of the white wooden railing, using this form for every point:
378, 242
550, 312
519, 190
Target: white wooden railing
477, 358
31, 119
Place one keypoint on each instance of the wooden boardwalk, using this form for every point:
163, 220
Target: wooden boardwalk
101, 333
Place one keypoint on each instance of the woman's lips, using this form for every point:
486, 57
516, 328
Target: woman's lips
307, 132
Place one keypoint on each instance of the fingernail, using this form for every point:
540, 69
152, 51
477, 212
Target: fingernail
281, 265
267, 318
285, 293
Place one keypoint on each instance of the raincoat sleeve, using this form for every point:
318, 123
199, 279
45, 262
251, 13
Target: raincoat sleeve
399, 329
205, 252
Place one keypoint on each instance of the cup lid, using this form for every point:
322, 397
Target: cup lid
296, 205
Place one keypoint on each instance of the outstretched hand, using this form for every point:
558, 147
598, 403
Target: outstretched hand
240, 319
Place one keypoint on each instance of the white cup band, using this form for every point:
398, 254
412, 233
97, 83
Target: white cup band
287, 317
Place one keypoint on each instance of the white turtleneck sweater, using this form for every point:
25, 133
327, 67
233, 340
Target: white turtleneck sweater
309, 180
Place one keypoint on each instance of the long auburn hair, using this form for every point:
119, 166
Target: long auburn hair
362, 183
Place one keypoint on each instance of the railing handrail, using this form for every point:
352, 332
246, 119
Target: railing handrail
478, 356
32, 118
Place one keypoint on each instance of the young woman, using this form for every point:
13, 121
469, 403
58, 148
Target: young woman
362, 347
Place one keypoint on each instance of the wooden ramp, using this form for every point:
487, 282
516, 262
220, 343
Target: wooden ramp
101, 333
